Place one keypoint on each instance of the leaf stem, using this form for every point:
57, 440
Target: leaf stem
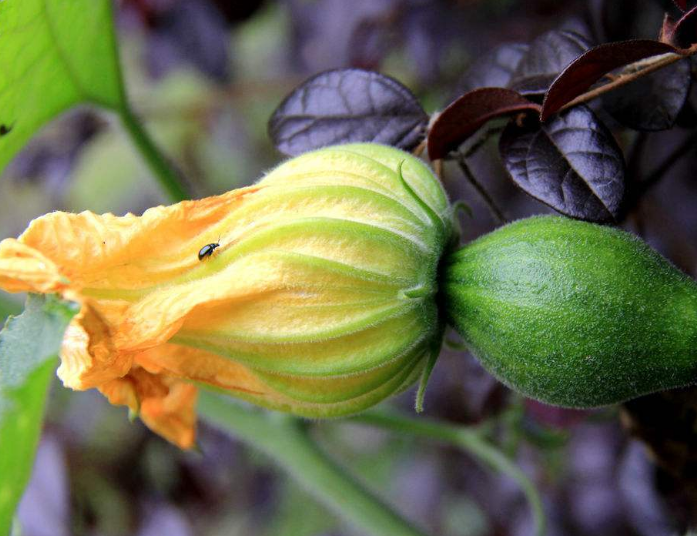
287, 441
161, 167
471, 440
171, 181
648, 67
479, 187
482, 140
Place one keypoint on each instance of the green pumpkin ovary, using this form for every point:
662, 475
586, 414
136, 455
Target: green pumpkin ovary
572, 313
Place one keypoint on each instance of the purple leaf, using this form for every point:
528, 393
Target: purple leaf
572, 163
654, 101
685, 30
547, 56
469, 113
347, 105
592, 65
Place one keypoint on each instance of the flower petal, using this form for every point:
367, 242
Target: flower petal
88, 356
129, 252
318, 297
166, 405
25, 269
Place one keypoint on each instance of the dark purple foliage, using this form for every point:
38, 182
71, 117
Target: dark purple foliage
572, 163
347, 105
546, 57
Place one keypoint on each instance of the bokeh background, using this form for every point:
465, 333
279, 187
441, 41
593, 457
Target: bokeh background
206, 75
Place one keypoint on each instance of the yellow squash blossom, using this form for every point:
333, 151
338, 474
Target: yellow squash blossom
318, 300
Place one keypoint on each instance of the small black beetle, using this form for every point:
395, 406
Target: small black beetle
207, 250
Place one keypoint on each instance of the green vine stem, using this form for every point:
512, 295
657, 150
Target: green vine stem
471, 440
287, 441
163, 170
166, 174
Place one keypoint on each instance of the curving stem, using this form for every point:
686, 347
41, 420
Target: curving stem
287, 441
470, 440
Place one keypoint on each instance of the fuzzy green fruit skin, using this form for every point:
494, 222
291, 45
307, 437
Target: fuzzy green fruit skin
572, 313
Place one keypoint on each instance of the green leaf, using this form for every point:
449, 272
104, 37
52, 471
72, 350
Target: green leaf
54, 54
29, 346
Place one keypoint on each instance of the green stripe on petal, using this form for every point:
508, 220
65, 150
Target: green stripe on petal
352, 353
333, 389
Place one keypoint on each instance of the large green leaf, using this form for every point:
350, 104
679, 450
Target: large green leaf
53, 54
29, 346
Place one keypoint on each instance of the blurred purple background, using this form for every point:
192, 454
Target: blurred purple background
206, 75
